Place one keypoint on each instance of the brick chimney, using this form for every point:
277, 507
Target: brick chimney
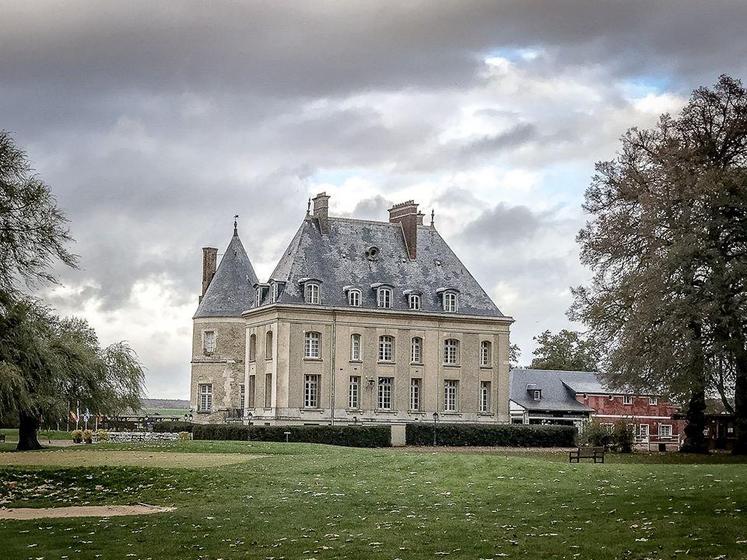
406, 215
321, 211
209, 260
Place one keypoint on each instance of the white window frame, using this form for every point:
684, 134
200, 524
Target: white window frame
312, 293
258, 297
384, 297
386, 348
414, 302
643, 432
451, 395
627, 399
669, 429
312, 345
385, 392
208, 342
242, 396
451, 352
416, 350
416, 388
311, 382
537, 394
354, 392
275, 292
653, 401
355, 348
354, 298
485, 396
450, 302
486, 353
205, 397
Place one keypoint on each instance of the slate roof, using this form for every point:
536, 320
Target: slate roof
231, 291
556, 395
338, 259
586, 382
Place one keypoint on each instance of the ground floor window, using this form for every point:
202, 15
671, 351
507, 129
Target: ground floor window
641, 431
205, 397
242, 397
311, 391
484, 396
385, 393
450, 395
665, 430
415, 394
268, 390
252, 385
354, 392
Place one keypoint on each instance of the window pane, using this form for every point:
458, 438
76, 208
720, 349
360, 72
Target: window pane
450, 395
385, 393
355, 347
311, 345
268, 390
485, 353
354, 392
416, 356
311, 391
386, 348
252, 386
415, 394
209, 342
451, 351
205, 397
485, 396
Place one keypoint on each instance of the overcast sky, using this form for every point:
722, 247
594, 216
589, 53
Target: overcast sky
156, 122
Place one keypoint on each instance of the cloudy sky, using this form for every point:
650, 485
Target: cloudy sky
156, 122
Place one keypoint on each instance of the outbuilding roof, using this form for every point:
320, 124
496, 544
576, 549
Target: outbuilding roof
556, 395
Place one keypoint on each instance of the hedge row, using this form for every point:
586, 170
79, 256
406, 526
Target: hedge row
173, 427
349, 436
508, 435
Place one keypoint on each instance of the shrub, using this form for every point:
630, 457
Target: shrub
509, 435
185, 436
622, 437
596, 435
350, 436
88, 436
173, 427
77, 436
102, 435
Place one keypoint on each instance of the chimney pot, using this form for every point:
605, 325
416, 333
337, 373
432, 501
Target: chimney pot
321, 211
406, 214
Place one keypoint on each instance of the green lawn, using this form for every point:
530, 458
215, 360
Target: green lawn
309, 501
11, 434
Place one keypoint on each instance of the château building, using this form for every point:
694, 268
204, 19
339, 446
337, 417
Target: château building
361, 321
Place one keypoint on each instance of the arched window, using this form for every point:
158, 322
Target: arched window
354, 298
486, 353
416, 350
384, 297
268, 345
413, 301
355, 348
450, 302
451, 351
252, 347
386, 348
312, 344
311, 293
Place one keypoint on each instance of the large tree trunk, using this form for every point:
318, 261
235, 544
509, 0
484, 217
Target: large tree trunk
740, 402
27, 432
695, 440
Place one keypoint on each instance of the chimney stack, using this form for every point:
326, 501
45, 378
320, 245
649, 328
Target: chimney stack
406, 215
209, 260
321, 211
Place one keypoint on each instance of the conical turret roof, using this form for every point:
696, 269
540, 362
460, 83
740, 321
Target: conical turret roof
231, 291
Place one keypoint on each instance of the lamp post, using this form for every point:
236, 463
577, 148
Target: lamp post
435, 421
249, 431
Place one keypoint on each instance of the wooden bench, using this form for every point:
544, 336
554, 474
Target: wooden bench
594, 453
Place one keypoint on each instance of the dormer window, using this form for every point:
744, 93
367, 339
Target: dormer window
261, 292
311, 293
537, 394
414, 301
384, 297
449, 299
354, 298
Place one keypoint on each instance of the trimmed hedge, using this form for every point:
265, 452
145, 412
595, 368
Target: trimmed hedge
349, 436
173, 427
508, 435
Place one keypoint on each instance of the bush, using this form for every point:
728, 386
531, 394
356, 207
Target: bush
172, 427
622, 437
102, 435
77, 436
185, 436
509, 435
119, 425
88, 436
349, 436
596, 435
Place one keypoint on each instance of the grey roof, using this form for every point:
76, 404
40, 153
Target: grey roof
590, 382
338, 260
556, 395
231, 291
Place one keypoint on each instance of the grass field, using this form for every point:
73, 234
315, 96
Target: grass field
310, 501
11, 435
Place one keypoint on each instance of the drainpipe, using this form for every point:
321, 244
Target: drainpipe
334, 366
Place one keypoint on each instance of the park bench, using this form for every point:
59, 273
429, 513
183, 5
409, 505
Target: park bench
594, 453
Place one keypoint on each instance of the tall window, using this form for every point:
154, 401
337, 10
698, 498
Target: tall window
484, 396
450, 301
268, 345
451, 351
486, 353
312, 344
415, 394
311, 391
354, 392
414, 301
208, 342
355, 348
205, 397
450, 395
252, 387
268, 390
252, 347
384, 297
354, 298
311, 292
416, 350
242, 397
627, 399
258, 296
275, 292
386, 348
385, 393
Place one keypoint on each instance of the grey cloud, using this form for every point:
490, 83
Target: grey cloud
504, 224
